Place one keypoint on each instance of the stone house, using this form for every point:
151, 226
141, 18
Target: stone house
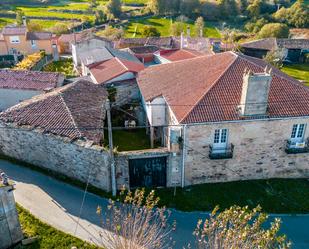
16, 86
61, 130
294, 50
86, 45
17, 40
227, 117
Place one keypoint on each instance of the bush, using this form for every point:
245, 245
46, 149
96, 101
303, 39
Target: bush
277, 30
150, 31
30, 61
111, 33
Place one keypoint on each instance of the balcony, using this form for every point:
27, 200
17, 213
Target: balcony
221, 153
296, 148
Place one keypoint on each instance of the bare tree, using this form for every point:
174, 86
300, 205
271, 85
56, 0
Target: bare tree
136, 222
241, 228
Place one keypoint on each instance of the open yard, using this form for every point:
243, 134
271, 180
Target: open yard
163, 25
298, 71
274, 196
63, 66
49, 237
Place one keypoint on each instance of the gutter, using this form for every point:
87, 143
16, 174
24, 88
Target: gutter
183, 156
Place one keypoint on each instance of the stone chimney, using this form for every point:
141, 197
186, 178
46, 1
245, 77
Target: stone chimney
255, 91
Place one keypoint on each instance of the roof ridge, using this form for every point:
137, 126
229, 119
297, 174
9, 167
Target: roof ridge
122, 63
215, 82
70, 114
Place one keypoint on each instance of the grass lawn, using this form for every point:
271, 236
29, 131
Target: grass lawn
49, 237
298, 71
126, 140
163, 26
63, 66
5, 21
274, 196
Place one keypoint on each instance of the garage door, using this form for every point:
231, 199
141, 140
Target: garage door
147, 172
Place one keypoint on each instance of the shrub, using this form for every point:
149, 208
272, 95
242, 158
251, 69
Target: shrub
277, 30
150, 31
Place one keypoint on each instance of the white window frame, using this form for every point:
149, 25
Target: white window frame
220, 139
15, 39
298, 133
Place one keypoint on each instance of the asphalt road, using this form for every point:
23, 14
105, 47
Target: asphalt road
58, 204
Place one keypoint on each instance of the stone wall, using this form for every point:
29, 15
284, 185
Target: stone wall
258, 153
74, 159
10, 230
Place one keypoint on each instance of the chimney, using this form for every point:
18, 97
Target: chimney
255, 91
55, 52
24, 21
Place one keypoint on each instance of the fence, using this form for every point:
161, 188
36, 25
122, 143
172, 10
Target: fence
42, 62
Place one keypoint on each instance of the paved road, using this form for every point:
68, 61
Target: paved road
58, 204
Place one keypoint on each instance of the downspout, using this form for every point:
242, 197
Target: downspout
183, 156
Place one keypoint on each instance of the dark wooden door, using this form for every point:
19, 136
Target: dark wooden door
147, 172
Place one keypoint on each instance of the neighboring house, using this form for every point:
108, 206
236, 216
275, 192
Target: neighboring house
294, 49
88, 45
144, 53
61, 130
17, 40
16, 86
161, 42
226, 117
65, 41
168, 56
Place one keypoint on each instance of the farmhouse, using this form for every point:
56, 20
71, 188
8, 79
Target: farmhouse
226, 117
16, 86
17, 40
293, 49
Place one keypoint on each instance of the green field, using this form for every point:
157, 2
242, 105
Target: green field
298, 71
163, 25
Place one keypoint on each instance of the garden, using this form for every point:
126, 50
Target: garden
64, 66
298, 71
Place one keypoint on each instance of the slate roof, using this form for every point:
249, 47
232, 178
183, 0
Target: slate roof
14, 30
39, 36
110, 69
208, 88
73, 111
273, 43
28, 80
179, 54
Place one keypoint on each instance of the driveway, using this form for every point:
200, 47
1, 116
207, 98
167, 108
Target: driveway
58, 204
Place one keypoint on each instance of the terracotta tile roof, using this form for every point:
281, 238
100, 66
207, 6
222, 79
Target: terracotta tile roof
73, 111
14, 30
144, 49
110, 69
179, 54
39, 36
162, 42
29, 80
273, 43
70, 38
207, 89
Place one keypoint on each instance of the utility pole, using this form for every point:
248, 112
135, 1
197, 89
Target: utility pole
111, 147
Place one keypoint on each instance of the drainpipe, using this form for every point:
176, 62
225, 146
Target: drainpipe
183, 156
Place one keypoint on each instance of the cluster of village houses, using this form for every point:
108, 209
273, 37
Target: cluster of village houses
215, 115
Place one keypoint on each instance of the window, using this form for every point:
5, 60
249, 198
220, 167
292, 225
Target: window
220, 136
14, 39
298, 131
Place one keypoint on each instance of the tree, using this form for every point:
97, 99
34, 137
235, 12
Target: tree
154, 6
150, 31
135, 223
275, 57
113, 8
93, 3
199, 26
254, 8
19, 17
239, 227
177, 28
100, 17
189, 7
255, 26
277, 30
111, 33
34, 26
60, 28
